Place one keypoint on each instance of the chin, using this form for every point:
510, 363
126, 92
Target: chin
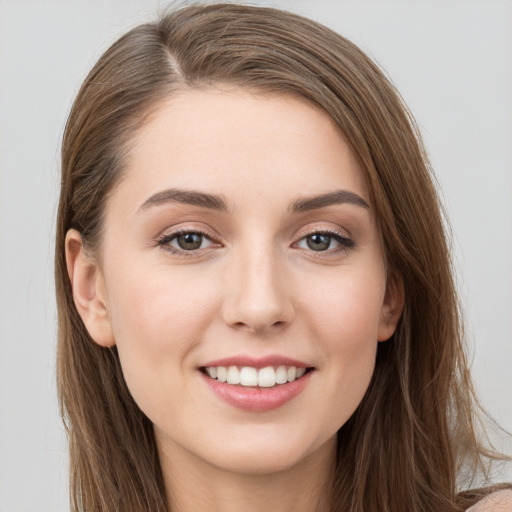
267, 454
259, 464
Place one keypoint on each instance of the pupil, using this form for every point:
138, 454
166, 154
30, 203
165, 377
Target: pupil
190, 241
318, 242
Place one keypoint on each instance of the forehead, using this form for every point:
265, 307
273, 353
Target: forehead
222, 140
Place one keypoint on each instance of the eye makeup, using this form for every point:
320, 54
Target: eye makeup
188, 241
322, 240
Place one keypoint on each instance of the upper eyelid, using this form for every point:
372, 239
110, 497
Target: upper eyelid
175, 234
207, 233
169, 233
163, 241
336, 235
344, 233
211, 234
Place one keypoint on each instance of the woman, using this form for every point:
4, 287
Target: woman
255, 296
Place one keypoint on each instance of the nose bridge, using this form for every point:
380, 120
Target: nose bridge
257, 298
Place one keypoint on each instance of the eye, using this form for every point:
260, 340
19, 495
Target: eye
185, 241
189, 241
319, 242
325, 241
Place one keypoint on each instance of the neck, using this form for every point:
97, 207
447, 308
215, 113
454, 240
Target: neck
195, 485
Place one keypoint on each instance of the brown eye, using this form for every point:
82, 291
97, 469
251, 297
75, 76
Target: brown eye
185, 242
325, 241
318, 242
189, 241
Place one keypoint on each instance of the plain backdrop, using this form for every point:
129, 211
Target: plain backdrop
452, 62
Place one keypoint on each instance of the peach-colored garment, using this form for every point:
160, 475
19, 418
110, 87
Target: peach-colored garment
500, 501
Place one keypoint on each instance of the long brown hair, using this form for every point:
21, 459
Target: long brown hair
404, 446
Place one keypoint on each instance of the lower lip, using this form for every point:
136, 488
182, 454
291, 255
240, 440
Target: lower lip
257, 399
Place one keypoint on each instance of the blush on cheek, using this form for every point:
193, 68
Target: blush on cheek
346, 323
356, 309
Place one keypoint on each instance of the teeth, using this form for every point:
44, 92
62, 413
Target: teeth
222, 373
281, 377
267, 377
233, 375
249, 376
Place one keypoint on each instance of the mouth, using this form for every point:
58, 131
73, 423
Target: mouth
253, 377
256, 384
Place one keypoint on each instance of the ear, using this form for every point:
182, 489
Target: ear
392, 307
89, 293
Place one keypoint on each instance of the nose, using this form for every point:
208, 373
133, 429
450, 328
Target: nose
257, 296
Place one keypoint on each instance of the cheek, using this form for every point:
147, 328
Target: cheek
344, 317
346, 311
157, 319
159, 303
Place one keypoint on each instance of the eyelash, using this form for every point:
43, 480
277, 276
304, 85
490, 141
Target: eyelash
164, 241
345, 243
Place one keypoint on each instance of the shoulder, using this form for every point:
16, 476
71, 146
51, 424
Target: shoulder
500, 501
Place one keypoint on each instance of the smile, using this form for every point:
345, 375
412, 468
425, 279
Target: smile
249, 376
256, 384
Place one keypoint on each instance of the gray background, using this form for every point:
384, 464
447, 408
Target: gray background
452, 62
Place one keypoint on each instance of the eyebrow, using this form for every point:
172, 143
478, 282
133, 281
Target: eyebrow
215, 202
323, 200
175, 195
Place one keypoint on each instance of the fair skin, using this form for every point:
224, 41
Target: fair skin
278, 264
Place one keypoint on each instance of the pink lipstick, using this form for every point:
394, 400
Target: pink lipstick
256, 384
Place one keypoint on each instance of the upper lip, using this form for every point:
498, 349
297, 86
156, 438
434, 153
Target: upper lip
257, 362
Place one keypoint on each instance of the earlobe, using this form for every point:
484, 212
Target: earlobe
392, 307
88, 289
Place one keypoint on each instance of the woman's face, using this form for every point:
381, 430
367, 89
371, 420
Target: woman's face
241, 242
